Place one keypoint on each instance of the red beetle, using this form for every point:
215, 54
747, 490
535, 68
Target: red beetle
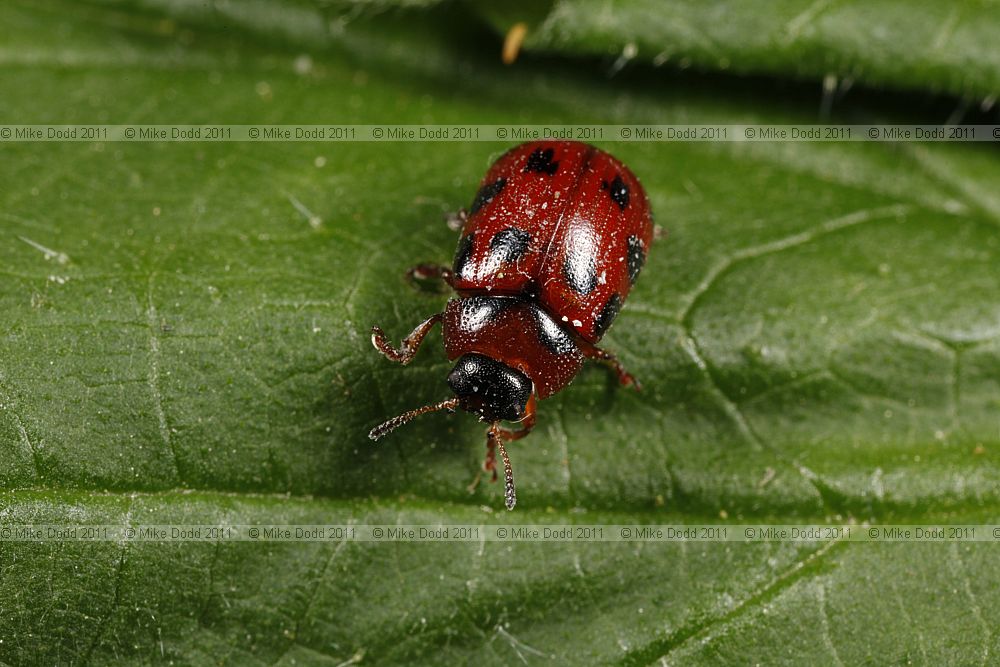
550, 248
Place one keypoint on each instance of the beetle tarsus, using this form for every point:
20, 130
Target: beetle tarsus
421, 274
456, 220
410, 345
625, 378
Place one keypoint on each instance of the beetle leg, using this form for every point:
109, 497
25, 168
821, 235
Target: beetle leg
424, 272
411, 343
490, 464
527, 423
597, 354
456, 220
471, 488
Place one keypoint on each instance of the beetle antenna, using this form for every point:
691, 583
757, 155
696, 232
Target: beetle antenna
508, 474
391, 425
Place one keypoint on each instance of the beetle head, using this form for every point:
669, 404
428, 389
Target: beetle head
485, 387
489, 389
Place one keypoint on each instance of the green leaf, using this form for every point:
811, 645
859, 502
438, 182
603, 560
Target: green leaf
185, 340
943, 47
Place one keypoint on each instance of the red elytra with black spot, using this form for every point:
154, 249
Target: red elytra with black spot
563, 222
550, 248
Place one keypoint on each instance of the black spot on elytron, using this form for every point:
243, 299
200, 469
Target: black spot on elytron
480, 311
580, 271
486, 194
540, 161
462, 254
607, 315
636, 258
508, 245
553, 336
618, 191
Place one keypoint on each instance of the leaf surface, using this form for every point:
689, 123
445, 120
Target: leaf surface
185, 339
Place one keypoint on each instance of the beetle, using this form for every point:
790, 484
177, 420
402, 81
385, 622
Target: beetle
555, 239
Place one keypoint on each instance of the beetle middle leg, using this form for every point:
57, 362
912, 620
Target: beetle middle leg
490, 463
423, 273
457, 220
625, 378
411, 343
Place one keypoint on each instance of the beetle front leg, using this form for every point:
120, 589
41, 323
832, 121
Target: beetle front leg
527, 423
625, 378
411, 343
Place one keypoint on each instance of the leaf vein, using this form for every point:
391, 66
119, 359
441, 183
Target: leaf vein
22, 432
727, 263
663, 648
823, 489
977, 612
154, 375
